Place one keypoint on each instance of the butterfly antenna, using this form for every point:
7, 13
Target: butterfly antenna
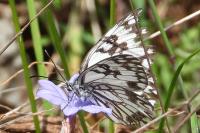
56, 67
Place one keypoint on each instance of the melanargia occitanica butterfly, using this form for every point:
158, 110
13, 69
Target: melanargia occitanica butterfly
116, 74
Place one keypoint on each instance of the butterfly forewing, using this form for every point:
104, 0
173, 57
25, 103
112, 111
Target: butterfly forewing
121, 39
119, 82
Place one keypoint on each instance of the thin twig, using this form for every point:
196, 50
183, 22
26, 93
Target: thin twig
156, 119
194, 96
14, 110
96, 123
24, 28
23, 115
150, 70
176, 128
21, 70
174, 24
177, 113
7, 90
36, 113
5, 107
167, 113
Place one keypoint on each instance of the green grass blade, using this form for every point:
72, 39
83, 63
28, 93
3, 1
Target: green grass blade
111, 127
174, 80
37, 44
169, 48
25, 66
112, 12
194, 123
173, 83
82, 121
35, 32
55, 37
112, 22
138, 4
163, 33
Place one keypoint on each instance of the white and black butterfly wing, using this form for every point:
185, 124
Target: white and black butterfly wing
116, 73
123, 38
121, 83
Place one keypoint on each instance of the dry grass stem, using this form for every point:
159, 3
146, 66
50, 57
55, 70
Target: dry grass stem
24, 28
169, 112
182, 122
174, 24
19, 116
12, 89
21, 70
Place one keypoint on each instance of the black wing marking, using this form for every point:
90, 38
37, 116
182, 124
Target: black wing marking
121, 83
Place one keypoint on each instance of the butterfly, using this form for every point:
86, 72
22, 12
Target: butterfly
116, 74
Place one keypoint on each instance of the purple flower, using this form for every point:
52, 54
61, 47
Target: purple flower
69, 102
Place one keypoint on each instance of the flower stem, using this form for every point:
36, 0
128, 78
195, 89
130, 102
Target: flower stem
68, 125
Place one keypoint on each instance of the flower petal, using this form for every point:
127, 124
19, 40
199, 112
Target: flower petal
73, 78
51, 92
68, 111
97, 109
76, 104
69, 103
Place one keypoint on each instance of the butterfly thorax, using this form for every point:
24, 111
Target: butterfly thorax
81, 92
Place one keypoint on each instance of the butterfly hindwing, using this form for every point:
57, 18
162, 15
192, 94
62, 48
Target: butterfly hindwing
119, 82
